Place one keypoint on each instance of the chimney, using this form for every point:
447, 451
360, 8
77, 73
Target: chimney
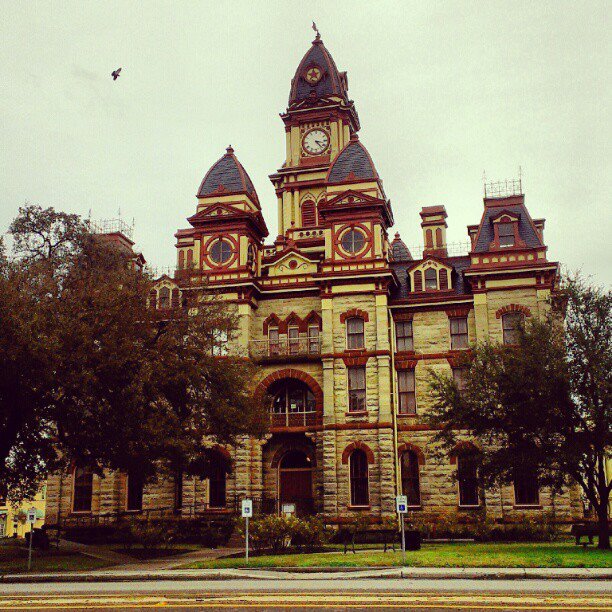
434, 230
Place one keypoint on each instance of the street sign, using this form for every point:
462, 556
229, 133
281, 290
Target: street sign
288, 509
31, 516
401, 503
247, 508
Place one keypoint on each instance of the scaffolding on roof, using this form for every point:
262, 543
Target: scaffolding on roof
112, 226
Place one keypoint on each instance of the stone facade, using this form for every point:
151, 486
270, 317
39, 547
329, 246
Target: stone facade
332, 310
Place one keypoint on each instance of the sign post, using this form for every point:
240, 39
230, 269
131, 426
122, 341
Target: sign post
31, 518
401, 503
247, 512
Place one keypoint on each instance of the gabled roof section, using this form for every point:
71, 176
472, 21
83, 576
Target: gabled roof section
353, 163
514, 206
227, 176
331, 81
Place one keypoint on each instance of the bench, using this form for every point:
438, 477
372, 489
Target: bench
350, 537
580, 530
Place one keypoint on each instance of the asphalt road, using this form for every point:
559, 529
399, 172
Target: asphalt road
355, 594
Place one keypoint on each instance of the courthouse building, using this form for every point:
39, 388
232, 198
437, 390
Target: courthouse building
345, 323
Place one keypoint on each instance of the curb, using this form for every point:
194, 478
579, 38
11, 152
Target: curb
314, 573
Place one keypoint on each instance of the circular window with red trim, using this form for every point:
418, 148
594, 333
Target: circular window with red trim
220, 251
353, 241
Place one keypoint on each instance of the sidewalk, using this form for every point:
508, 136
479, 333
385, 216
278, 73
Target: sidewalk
414, 573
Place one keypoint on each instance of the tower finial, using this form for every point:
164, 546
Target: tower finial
314, 27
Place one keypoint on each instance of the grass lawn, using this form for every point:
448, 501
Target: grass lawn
562, 554
14, 559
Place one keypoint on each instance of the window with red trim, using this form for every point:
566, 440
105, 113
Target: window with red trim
505, 231
406, 392
511, 326
459, 333
360, 489
409, 465
403, 336
357, 389
355, 336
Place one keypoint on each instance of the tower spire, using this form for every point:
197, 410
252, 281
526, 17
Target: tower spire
314, 27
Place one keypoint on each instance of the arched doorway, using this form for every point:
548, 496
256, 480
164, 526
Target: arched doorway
295, 482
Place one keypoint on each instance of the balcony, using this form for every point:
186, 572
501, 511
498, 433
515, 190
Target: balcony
302, 348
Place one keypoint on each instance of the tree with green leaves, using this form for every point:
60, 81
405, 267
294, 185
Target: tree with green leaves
541, 406
90, 374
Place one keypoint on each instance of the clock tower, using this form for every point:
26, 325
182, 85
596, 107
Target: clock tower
319, 122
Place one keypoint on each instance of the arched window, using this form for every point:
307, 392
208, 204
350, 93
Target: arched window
135, 488
189, 259
431, 278
360, 493
428, 238
438, 237
217, 481
83, 489
410, 477
292, 396
309, 214
511, 324
467, 477
181, 259
164, 298
355, 337
418, 281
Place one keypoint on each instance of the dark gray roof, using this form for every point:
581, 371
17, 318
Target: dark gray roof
526, 229
399, 250
331, 82
227, 176
459, 264
353, 160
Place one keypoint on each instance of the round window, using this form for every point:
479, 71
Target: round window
353, 241
221, 251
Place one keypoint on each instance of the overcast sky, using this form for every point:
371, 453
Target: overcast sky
444, 91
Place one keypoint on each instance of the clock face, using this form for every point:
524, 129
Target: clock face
315, 142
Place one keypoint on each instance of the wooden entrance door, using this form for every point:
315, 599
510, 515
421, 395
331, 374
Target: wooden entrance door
295, 482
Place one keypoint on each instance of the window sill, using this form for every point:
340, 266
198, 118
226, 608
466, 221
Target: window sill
368, 507
82, 512
475, 507
404, 415
355, 413
527, 506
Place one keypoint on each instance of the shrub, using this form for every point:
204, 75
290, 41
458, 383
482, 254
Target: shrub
271, 532
310, 534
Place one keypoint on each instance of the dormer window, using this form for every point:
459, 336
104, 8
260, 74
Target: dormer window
506, 234
431, 279
164, 298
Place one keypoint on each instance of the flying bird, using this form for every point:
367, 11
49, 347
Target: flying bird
115, 74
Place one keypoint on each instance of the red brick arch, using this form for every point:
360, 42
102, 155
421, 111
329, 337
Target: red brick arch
415, 449
512, 308
313, 385
464, 447
354, 312
354, 446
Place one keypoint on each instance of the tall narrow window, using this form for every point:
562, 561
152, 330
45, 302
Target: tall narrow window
418, 280
217, 486
164, 298
135, 487
459, 333
403, 336
219, 342
467, 477
189, 259
309, 214
313, 340
410, 478
293, 337
506, 234
360, 494
526, 490
181, 260
459, 376
357, 389
355, 333
83, 489
431, 279
511, 324
273, 341
407, 396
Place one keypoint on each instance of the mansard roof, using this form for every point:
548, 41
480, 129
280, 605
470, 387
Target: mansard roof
227, 176
353, 163
331, 83
514, 206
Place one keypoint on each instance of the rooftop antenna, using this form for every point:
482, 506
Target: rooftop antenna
314, 27
484, 182
520, 179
